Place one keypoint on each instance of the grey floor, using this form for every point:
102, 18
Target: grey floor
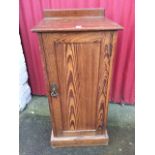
35, 130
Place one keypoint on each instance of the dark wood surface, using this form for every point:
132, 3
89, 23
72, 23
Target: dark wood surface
80, 64
73, 12
75, 20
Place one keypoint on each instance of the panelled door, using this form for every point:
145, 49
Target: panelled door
78, 66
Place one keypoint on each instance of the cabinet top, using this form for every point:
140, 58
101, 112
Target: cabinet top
75, 20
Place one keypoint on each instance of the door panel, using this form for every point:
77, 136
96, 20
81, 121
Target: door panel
75, 62
78, 74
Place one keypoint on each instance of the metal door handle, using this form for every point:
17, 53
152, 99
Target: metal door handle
54, 90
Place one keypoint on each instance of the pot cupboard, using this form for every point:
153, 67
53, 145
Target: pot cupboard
77, 48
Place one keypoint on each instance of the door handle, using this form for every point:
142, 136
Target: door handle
54, 90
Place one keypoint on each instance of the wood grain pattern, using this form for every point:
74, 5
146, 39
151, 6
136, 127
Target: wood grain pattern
72, 85
80, 64
68, 75
104, 71
78, 93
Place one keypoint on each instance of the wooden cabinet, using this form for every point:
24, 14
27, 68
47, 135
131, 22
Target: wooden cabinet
78, 49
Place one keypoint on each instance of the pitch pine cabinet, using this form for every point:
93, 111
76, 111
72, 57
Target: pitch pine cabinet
78, 50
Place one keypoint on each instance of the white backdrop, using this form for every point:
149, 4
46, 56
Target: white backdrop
24, 88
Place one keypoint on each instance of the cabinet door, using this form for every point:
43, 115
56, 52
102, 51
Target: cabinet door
78, 63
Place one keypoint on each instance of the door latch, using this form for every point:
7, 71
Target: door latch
54, 90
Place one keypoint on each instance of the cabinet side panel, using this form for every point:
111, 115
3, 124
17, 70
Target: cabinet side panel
113, 40
105, 68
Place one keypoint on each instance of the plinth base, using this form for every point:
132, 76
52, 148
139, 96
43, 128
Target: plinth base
70, 141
